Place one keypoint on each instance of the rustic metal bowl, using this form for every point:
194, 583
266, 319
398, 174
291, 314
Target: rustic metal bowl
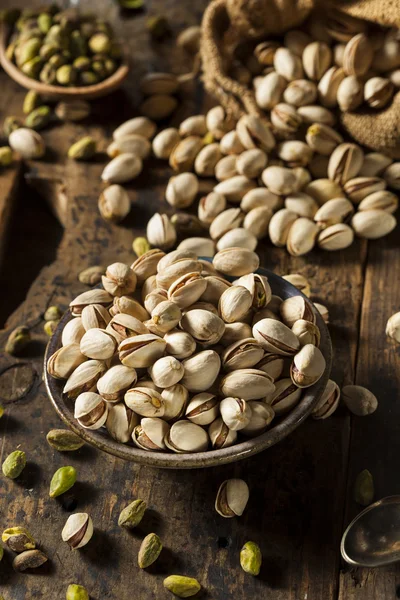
249, 446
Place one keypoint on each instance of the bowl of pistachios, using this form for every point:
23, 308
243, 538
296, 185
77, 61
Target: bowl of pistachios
61, 53
183, 362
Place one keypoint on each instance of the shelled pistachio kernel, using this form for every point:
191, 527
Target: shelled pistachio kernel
83, 149
18, 539
132, 515
364, 488
62, 480
140, 246
181, 586
6, 156
251, 558
64, 440
17, 341
150, 550
14, 464
76, 592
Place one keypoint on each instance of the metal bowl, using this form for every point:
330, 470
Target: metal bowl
249, 446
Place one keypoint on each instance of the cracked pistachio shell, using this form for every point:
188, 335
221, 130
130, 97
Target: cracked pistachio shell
235, 188
279, 226
73, 332
205, 327
132, 143
181, 190
357, 56
248, 384
122, 168
165, 141
238, 238
308, 366
138, 125
271, 364
160, 231
65, 360
345, 162
232, 498
226, 167
382, 200
342, 27
300, 92
220, 434
216, 286
207, 159
235, 412
359, 400
123, 326
294, 308
179, 344
285, 118
329, 401
95, 316
336, 237
184, 261
211, 206
258, 287
302, 204
254, 132
279, 180
234, 304
98, 344
323, 190
307, 332
228, 219
185, 436
187, 289
262, 415
18, 539
96, 296
242, 354
146, 265
145, 402
150, 434
350, 93
276, 337
120, 422
84, 378
115, 382
114, 203
393, 327
201, 370
166, 315
301, 237
322, 138
373, 224
313, 113
175, 398
30, 559
62, 480
202, 409
265, 51
378, 91
317, 58
166, 371
119, 279
288, 64
285, 396
78, 530
269, 90
392, 175
184, 153
236, 261
90, 410
333, 211
27, 143
329, 85
131, 515
141, 351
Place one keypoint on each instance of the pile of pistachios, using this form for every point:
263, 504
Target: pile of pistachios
64, 48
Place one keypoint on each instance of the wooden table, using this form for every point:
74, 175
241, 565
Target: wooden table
301, 490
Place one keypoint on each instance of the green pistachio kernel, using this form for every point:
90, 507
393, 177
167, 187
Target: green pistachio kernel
48, 50
251, 558
64, 440
48, 74
44, 22
131, 4
364, 488
18, 539
32, 67
1, 410
32, 100
82, 63
181, 586
49, 327
88, 78
131, 516
77, 44
38, 118
83, 149
62, 480
76, 592
100, 43
6, 156
11, 124
57, 60
66, 75
18, 339
53, 313
14, 464
28, 50
149, 551
140, 246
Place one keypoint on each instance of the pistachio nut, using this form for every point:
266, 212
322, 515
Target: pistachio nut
301, 237
64, 440
350, 93
392, 175
158, 106
258, 287
226, 167
114, 203
260, 197
243, 354
76, 592
72, 332
251, 558
373, 224
317, 58
64, 361
301, 204
220, 434
122, 168
181, 190
84, 378
271, 364
184, 153
218, 122
95, 316
257, 221
378, 91
231, 144
308, 366
300, 92
129, 306
235, 412
235, 332
194, 125
338, 53
211, 206
279, 180
235, 188
138, 125
357, 56
248, 384
262, 415
323, 311
345, 162
62, 480
238, 238
165, 372
185, 436
160, 231
322, 138
14, 464
234, 304
120, 422
329, 85
78, 530
393, 327
359, 400
27, 143
205, 327
18, 539
131, 515
165, 141
96, 296
145, 402
149, 551
159, 83
30, 559
146, 264
236, 261
251, 163
207, 159
98, 344
280, 225
288, 64
342, 27
181, 586
215, 288
364, 488
228, 219
294, 308
336, 237
133, 144
179, 344
323, 190
300, 282
90, 410
184, 262
75, 110
270, 89
285, 396
253, 132
187, 289
175, 398
202, 409
328, 402
232, 498
295, 153
374, 164
201, 370
306, 332
83, 149
115, 382
166, 315
150, 434
276, 337
141, 350
265, 52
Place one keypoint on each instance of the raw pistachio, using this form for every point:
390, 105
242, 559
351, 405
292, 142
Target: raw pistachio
131, 516
393, 327
378, 91
373, 224
226, 167
232, 498
275, 337
149, 550
350, 93
307, 332
251, 163
329, 85
374, 164
150, 434
231, 218
235, 413
14, 464
308, 366
38, 118
181, 586
218, 122
270, 89
159, 83
279, 226
49, 327
236, 261
160, 231
323, 190
265, 52
301, 204
62, 480
64, 440
364, 488
206, 160
185, 436
78, 530
32, 100
279, 180
158, 106
220, 434
26, 142
76, 592
284, 397
288, 64
392, 175
342, 27
336, 237
285, 118
294, 308
6, 156
18, 539
253, 132
299, 282
83, 149
357, 56
328, 402
66, 75
201, 370
30, 559
248, 384
317, 57
133, 143
202, 409
181, 190
164, 142
138, 125
300, 92
345, 162
122, 168
301, 237
261, 416
231, 144
260, 197
211, 206
322, 138
90, 410
359, 400
314, 113
75, 110
140, 246
295, 153
205, 327
251, 558
84, 377
91, 275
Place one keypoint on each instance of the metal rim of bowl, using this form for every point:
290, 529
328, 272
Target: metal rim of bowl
210, 458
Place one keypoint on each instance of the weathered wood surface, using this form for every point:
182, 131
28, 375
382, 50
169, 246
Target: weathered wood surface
298, 507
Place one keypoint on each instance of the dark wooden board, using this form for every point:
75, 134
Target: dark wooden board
298, 488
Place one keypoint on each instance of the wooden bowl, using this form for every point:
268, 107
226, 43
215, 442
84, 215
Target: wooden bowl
280, 427
58, 92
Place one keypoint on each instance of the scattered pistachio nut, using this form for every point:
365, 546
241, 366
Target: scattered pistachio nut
181, 586
232, 498
14, 464
64, 440
132, 515
18, 539
251, 558
359, 400
83, 149
76, 592
62, 480
78, 530
149, 551
30, 559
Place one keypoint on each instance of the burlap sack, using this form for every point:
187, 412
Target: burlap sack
228, 22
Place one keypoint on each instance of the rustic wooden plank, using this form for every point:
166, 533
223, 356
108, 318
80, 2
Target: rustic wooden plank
375, 440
